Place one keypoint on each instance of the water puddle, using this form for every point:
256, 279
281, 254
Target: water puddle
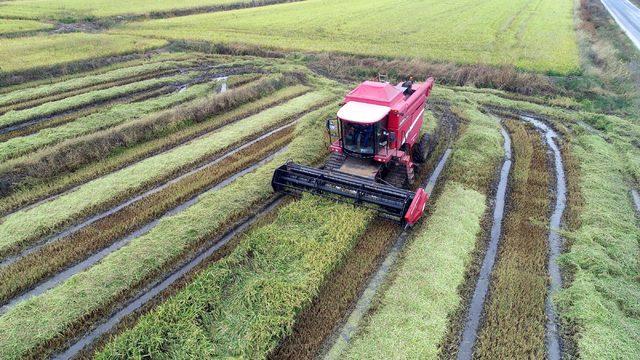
636, 199
482, 286
365, 301
141, 300
553, 341
93, 259
48, 240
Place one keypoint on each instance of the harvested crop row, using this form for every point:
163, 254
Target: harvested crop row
113, 116
254, 330
100, 151
78, 101
68, 155
35, 267
26, 226
514, 319
52, 92
148, 256
47, 99
417, 304
605, 226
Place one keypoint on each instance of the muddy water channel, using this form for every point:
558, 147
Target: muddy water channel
476, 305
555, 242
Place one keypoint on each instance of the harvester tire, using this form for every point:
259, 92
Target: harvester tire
421, 149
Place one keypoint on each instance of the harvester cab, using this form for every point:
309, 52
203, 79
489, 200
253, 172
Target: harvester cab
375, 146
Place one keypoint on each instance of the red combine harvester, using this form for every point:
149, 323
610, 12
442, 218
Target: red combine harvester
375, 145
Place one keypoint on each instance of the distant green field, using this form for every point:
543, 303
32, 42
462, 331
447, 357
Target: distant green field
51, 50
12, 26
536, 35
79, 9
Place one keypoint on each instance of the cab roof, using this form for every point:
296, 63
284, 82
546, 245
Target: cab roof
378, 93
362, 113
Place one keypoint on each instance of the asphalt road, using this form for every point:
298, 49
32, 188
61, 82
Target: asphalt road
628, 17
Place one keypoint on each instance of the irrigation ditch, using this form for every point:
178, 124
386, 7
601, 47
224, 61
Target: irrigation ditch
119, 227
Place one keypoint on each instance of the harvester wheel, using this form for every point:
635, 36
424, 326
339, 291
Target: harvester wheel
420, 151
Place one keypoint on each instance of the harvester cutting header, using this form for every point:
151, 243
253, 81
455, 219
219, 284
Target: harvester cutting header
375, 146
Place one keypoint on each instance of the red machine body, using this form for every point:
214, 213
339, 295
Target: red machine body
395, 109
376, 135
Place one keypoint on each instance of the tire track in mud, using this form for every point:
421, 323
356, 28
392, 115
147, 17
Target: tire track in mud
636, 199
156, 289
96, 257
476, 305
92, 219
555, 242
365, 301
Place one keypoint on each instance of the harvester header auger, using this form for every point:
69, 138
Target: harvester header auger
375, 145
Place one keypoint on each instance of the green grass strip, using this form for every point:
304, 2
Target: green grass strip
13, 26
115, 115
412, 317
242, 305
21, 54
478, 149
34, 323
27, 225
74, 102
159, 57
87, 81
602, 301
